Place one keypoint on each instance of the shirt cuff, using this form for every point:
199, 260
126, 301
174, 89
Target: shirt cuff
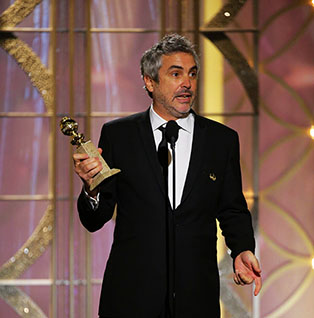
93, 202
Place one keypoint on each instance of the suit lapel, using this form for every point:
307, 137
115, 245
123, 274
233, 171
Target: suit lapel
146, 134
197, 157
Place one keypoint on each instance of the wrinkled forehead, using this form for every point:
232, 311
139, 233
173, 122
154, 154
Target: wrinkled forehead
178, 59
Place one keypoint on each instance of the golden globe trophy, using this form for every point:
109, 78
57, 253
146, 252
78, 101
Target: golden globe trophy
69, 128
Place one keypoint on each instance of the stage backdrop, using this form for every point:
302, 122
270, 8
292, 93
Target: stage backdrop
81, 58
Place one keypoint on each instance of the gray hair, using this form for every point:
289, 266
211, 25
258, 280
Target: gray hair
171, 43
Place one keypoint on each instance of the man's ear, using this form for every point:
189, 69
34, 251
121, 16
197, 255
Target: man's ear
148, 83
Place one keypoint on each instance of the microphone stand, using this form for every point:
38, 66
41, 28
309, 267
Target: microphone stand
173, 232
171, 134
163, 159
171, 238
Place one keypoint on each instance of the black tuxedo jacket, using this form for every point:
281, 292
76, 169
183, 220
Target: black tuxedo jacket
135, 280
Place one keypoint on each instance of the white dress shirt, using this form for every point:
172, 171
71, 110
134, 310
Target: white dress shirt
183, 151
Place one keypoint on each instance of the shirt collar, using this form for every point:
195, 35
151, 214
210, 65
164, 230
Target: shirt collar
157, 121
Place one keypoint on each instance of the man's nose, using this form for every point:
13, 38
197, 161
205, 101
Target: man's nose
186, 82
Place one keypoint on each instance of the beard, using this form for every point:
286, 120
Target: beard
169, 105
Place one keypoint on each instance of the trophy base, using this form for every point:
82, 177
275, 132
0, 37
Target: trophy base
89, 148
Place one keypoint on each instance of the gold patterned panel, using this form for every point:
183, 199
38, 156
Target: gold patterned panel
240, 65
42, 80
272, 195
226, 14
214, 31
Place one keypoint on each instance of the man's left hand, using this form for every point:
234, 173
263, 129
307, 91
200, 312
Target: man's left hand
247, 270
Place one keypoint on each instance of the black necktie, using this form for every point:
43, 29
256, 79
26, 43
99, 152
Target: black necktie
163, 148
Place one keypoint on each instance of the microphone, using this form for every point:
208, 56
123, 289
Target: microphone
172, 130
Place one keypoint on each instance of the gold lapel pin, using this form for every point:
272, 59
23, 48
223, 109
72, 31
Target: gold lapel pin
212, 176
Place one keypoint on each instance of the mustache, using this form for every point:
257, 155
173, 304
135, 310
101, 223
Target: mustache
184, 91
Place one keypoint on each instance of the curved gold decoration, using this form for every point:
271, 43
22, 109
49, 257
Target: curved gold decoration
31, 250
292, 41
31, 64
221, 20
42, 80
21, 303
288, 174
293, 223
237, 61
17, 12
239, 64
248, 78
293, 260
301, 102
293, 297
296, 261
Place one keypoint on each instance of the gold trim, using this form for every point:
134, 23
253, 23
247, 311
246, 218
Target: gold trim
281, 271
131, 30
239, 64
278, 13
301, 102
88, 243
71, 60
267, 152
278, 120
162, 14
294, 224
40, 77
26, 114
53, 156
294, 297
122, 30
291, 42
31, 64
25, 29
17, 12
24, 197
237, 61
23, 305
290, 172
228, 30
220, 20
26, 282
31, 250
291, 256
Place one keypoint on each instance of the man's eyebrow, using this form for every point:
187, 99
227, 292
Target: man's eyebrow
181, 68
175, 66
193, 68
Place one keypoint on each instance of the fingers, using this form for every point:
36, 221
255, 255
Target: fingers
79, 156
258, 285
242, 279
86, 168
236, 279
255, 266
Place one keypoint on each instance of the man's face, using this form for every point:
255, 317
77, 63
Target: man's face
175, 93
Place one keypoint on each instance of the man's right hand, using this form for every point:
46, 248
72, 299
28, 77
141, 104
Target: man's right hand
86, 168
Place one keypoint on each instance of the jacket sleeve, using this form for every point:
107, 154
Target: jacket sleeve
233, 215
91, 219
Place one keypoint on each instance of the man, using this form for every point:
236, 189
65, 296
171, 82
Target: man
208, 187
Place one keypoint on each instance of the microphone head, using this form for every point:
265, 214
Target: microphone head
172, 129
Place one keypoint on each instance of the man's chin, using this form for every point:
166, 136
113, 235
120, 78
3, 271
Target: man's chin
181, 113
